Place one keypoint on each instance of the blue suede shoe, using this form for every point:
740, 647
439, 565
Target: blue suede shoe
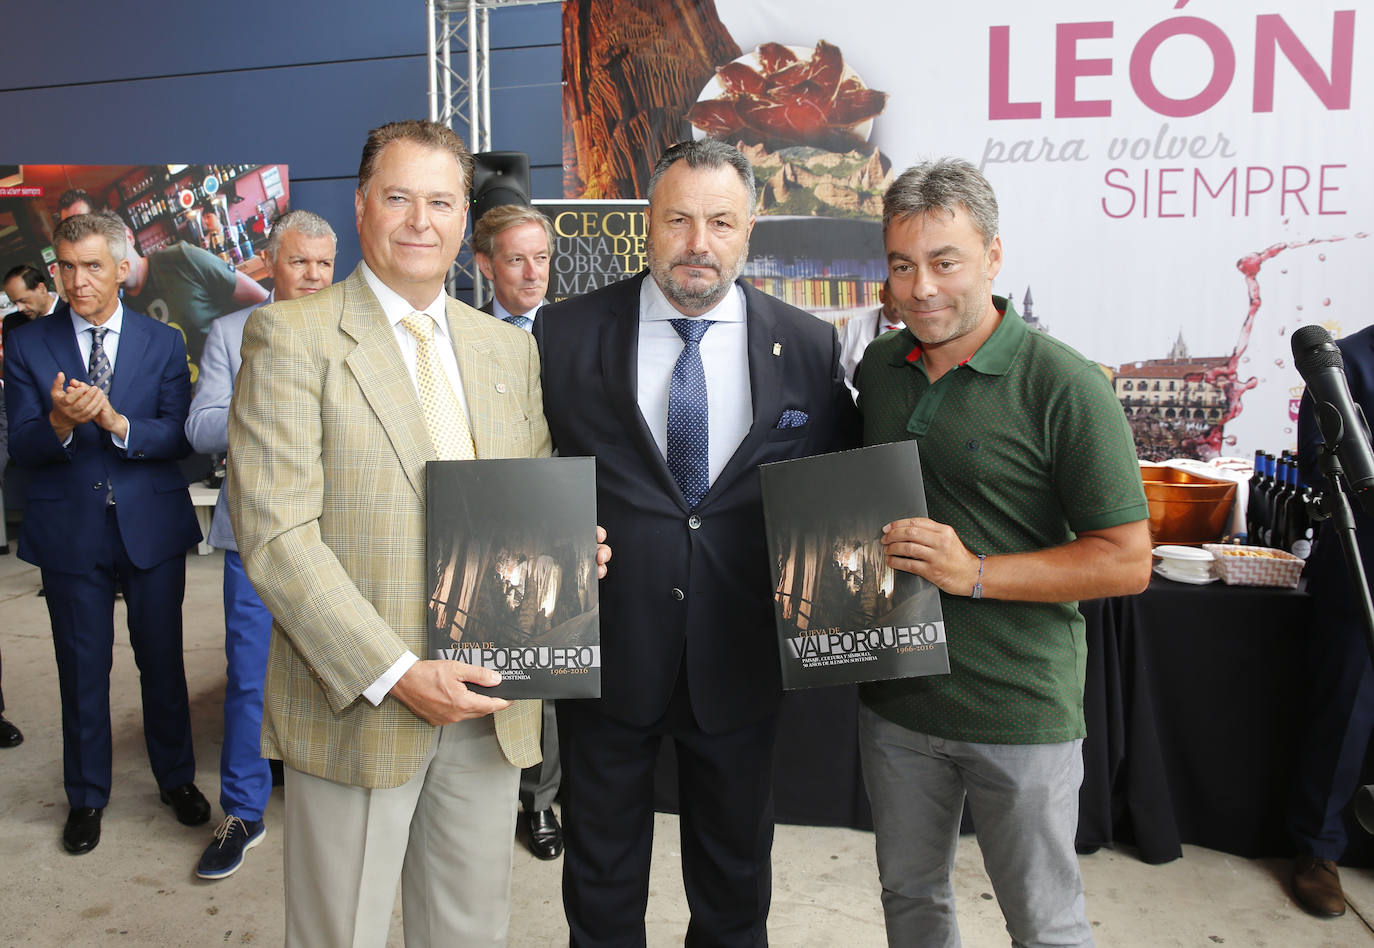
233, 838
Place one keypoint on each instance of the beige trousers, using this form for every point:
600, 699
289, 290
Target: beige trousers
446, 835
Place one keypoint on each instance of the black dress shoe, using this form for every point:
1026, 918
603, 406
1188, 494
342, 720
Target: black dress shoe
188, 803
546, 836
82, 831
9, 734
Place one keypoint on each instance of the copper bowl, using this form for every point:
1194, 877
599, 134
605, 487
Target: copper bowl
1186, 507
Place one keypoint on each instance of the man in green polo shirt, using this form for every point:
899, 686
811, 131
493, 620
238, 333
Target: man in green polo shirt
1035, 501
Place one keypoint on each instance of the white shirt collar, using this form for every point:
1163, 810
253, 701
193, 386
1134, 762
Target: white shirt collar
397, 309
114, 324
654, 306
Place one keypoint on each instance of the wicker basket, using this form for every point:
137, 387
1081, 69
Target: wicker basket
1254, 565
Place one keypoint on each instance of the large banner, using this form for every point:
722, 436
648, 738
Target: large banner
596, 243
1181, 184
196, 232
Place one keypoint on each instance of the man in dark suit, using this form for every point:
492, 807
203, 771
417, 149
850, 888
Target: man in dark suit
27, 288
28, 291
681, 381
10, 736
513, 244
97, 398
1340, 720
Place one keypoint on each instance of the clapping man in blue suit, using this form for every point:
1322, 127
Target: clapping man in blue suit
97, 398
300, 256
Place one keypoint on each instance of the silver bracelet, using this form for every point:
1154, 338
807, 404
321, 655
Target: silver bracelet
978, 583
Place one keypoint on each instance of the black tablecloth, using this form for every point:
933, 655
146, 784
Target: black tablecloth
1194, 702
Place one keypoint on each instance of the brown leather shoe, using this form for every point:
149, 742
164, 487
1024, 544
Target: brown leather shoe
1317, 887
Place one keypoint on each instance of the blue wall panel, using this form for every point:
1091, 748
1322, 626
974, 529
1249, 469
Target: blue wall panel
332, 199
264, 81
94, 41
313, 118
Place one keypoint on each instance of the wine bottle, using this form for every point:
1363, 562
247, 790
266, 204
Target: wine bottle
1264, 510
1252, 498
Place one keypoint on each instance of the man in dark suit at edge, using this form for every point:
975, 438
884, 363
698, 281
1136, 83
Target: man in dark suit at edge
513, 244
97, 397
1340, 719
681, 381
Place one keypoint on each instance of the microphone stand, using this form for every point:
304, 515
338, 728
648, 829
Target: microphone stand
1335, 504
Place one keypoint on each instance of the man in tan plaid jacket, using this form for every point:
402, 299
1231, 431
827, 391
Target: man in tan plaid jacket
394, 768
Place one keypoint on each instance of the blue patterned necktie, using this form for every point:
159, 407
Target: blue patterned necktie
99, 368
520, 322
688, 422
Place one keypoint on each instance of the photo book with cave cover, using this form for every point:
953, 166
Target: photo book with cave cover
510, 557
843, 614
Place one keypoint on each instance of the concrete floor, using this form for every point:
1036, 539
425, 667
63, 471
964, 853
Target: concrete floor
138, 888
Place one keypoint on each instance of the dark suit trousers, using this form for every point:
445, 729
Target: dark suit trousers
539, 783
81, 606
1337, 729
725, 792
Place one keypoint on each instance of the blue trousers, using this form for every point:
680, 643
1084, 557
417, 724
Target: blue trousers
81, 606
245, 779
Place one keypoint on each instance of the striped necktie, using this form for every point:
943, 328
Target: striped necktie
99, 369
444, 417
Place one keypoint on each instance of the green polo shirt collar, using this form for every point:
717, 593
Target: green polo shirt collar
994, 357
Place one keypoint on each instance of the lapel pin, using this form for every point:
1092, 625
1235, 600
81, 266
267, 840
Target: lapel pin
777, 348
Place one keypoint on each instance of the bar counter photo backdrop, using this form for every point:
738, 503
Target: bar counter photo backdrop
199, 227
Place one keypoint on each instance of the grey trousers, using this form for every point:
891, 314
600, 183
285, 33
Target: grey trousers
445, 834
1024, 799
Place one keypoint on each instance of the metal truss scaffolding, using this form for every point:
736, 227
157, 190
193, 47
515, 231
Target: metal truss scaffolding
454, 94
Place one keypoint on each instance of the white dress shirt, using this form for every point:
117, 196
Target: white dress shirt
855, 337
85, 341
397, 309
724, 357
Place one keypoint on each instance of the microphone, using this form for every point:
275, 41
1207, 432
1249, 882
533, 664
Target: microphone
1341, 421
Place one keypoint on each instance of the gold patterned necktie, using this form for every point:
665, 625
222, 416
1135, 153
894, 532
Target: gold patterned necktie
444, 417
